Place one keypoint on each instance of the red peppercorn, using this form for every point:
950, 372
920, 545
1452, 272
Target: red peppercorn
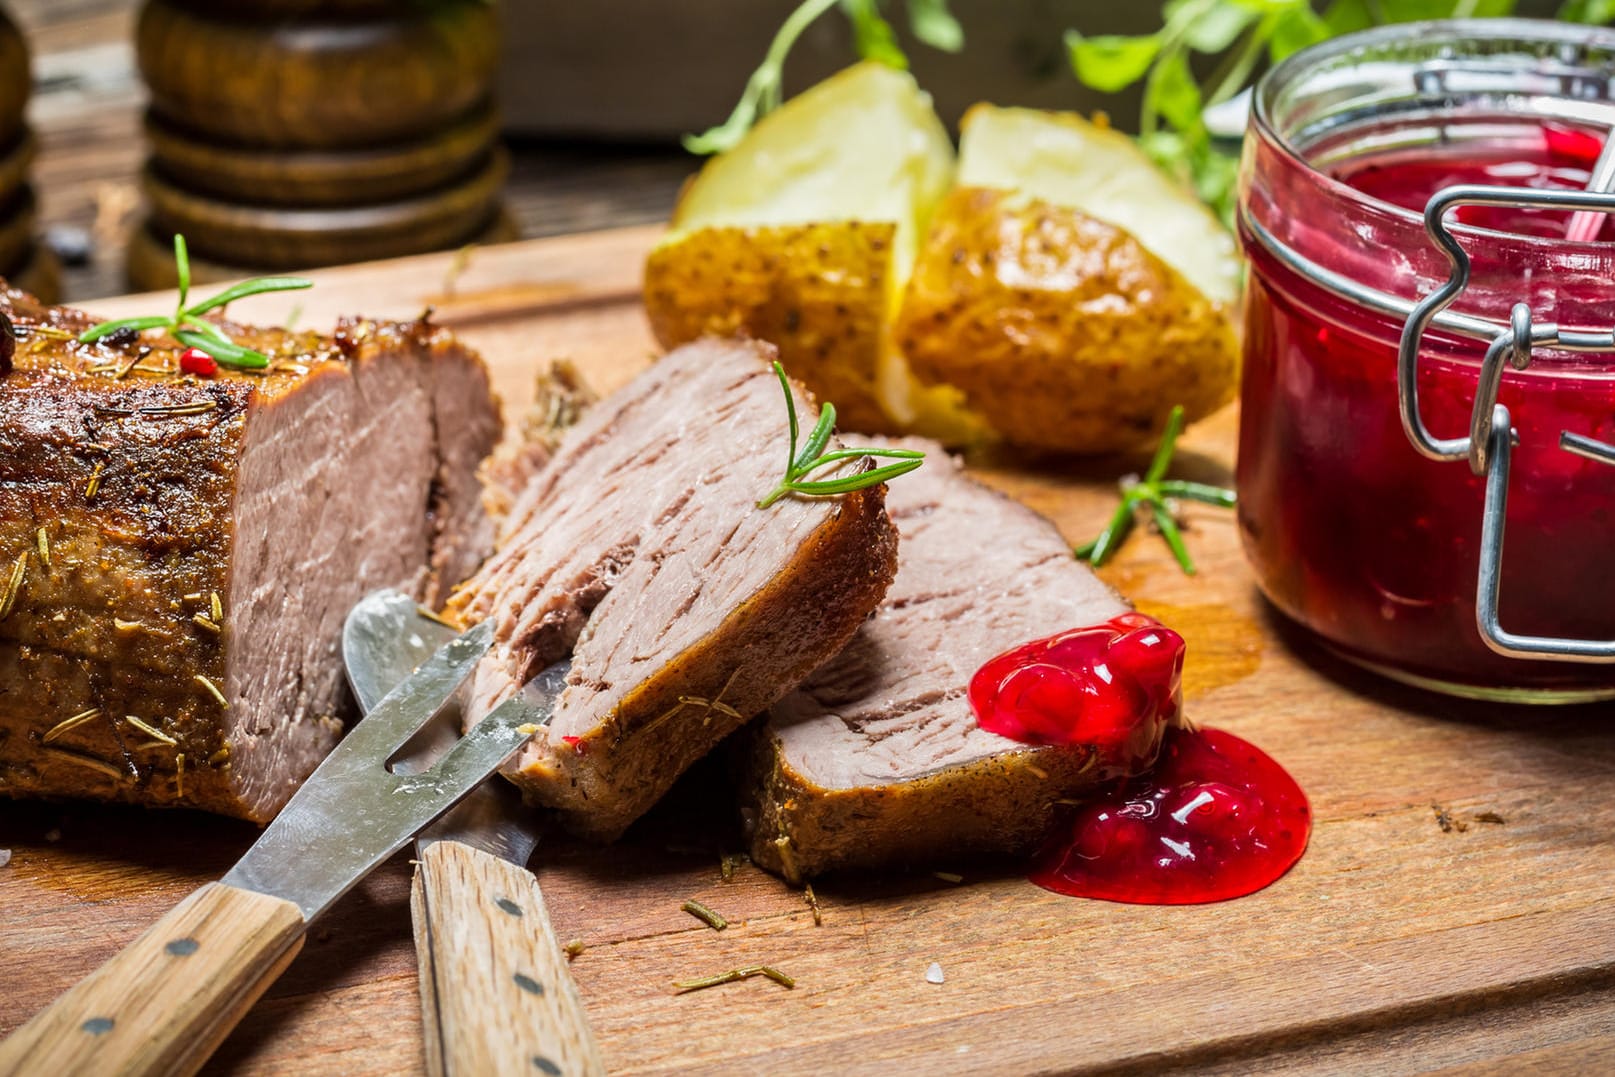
198, 362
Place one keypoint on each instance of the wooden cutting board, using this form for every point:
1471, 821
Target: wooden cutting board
1453, 913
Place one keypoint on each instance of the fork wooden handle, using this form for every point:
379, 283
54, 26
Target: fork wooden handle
496, 994
166, 1001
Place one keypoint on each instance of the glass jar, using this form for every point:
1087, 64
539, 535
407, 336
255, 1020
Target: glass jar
1353, 532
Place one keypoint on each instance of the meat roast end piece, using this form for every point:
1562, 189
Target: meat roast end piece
876, 759
639, 549
189, 548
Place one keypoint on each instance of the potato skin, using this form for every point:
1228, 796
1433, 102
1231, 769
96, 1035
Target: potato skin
818, 292
1062, 330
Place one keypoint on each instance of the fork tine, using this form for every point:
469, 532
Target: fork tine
409, 706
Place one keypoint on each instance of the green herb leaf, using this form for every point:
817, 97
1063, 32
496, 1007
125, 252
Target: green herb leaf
813, 457
139, 325
1111, 62
256, 286
872, 35
1174, 93
225, 351
182, 266
935, 25
817, 440
1219, 27
1593, 12
1295, 30
1153, 492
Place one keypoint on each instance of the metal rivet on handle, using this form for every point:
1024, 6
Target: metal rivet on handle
97, 1025
528, 984
509, 906
183, 947
546, 1066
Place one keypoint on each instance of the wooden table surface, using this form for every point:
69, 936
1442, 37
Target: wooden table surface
1453, 913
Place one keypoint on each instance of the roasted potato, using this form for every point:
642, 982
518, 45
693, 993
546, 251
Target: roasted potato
804, 235
1070, 289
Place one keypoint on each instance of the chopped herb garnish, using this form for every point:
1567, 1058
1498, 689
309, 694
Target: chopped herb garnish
1154, 492
212, 689
798, 465
67, 724
707, 916
736, 974
8, 599
150, 730
186, 325
44, 547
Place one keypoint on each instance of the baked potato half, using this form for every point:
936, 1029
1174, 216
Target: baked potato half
1071, 290
805, 234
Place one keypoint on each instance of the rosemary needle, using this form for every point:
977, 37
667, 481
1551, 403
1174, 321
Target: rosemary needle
733, 975
186, 325
1152, 492
707, 916
812, 457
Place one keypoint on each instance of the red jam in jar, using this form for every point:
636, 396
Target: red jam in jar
1351, 532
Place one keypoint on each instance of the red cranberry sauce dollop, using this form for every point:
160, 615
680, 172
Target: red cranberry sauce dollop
1114, 686
1217, 819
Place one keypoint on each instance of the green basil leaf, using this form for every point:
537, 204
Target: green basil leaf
256, 286
1175, 94
935, 25
1218, 28
1111, 62
872, 35
1295, 31
1347, 16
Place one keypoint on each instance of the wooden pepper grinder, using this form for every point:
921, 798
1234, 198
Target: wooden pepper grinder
288, 134
24, 261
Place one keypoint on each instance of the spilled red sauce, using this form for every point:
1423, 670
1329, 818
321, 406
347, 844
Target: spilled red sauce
1216, 817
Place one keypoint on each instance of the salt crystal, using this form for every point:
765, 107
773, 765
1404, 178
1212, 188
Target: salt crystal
933, 975
5, 857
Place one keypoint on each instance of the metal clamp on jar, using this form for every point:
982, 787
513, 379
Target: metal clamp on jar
1404, 198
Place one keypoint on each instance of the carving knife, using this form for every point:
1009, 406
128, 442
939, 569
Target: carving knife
164, 1003
496, 994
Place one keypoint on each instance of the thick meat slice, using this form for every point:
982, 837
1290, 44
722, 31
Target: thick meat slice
185, 549
877, 758
639, 549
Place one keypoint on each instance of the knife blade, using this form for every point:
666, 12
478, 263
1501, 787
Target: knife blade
163, 1004
496, 992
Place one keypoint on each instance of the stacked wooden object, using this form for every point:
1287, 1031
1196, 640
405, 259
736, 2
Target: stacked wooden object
288, 134
23, 260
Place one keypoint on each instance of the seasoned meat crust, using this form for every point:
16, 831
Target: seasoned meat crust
185, 549
876, 759
639, 550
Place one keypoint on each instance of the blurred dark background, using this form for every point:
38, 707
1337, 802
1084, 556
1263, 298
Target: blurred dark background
593, 97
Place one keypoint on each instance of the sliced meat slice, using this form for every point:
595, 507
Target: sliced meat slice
877, 759
639, 550
186, 549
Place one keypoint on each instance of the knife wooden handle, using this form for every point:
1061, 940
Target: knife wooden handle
166, 1001
496, 994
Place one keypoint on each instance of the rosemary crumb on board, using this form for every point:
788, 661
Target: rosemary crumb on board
212, 689
573, 948
812, 900
707, 916
733, 975
728, 864
150, 730
948, 876
67, 724
44, 547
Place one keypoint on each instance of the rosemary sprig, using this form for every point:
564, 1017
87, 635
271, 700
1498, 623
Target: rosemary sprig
735, 974
1154, 491
812, 457
186, 325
